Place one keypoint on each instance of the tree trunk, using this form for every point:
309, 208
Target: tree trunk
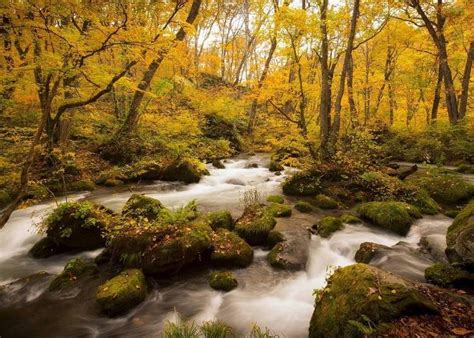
325, 101
465, 81
350, 92
437, 96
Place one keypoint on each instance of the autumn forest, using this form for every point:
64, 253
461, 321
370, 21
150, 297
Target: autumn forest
236, 168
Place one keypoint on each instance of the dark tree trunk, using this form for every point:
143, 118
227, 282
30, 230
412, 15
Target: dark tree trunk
465, 81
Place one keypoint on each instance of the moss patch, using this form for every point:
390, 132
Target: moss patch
446, 275
367, 251
274, 237
276, 199
83, 185
220, 220
325, 202
350, 219
121, 293
223, 281
185, 170
305, 183
5, 198
74, 270
230, 250
303, 206
459, 237
393, 216
279, 210
139, 206
328, 225
255, 224
359, 292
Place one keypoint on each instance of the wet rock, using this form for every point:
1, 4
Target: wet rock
279, 210
251, 165
328, 225
223, 281
112, 182
255, 224
448, 276
360, 293
434, 246
184, 170
325, 202
276, 199
303, 206
350, 219
230, 250
140, 206
218, 164
392, 216
23, 290
277, 173
122, 293
235, 181
460, 238
274, 237
367, 251
275, 166
46, 247
305, 183
74, 270
289, 255
220, 220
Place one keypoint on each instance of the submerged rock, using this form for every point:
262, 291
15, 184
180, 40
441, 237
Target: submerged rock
446, 275
289, 255
393, 216
360, 295
139, 206
230, 250
460, 238
328, 225
367, 251
74, 270
122, 293
223, 281
235, 181
255, 224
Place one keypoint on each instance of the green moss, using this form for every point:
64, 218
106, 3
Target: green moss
275, 166
276, 199
329, 225
393, 216
122, 293
325, 202
459, 237
274, 237
279, 210
78, 225
446, 188
367, 251
255, 224
303, 206
83, 185
305, 183
223, 281
357, 293
185, 170
5, 198
142, 206
112, 182
74, 270
350, 219
220, 220
446, 275
230, 250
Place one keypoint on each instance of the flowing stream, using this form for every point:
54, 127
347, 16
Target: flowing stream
279, 300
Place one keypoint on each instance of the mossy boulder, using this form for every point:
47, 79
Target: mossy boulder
325, 202
223, 281
78, 225
448, 276
228, 249
304, 183
46, 247
392, 216
5, 198
274, 237
138, 206
289, 255
216, 163
303, 206
74, 270
220, 220
161, 248
83, 185
367, 251
255, 224
218, 128
279, 210
446, 188
113, 182
359, 293
350, 219
122, 293
275, 166
460, 238
276, 199
328, 225
184, 170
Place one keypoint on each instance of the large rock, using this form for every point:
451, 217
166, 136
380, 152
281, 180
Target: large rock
46, 247
305, 183
223, 281
139, 206
230, 250
392, 216
75, 270
279, 210
220, 220
367, 251
185, 170
328, 225
255, 224
360, 293
78, 225
460, 238
289, 255
449, 276
121, 293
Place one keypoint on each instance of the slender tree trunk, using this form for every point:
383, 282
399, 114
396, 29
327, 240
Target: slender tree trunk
325, 101
392, 105
437, 96
350, 92
465, 81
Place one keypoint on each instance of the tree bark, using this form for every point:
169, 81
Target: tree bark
465, 81
325, 101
